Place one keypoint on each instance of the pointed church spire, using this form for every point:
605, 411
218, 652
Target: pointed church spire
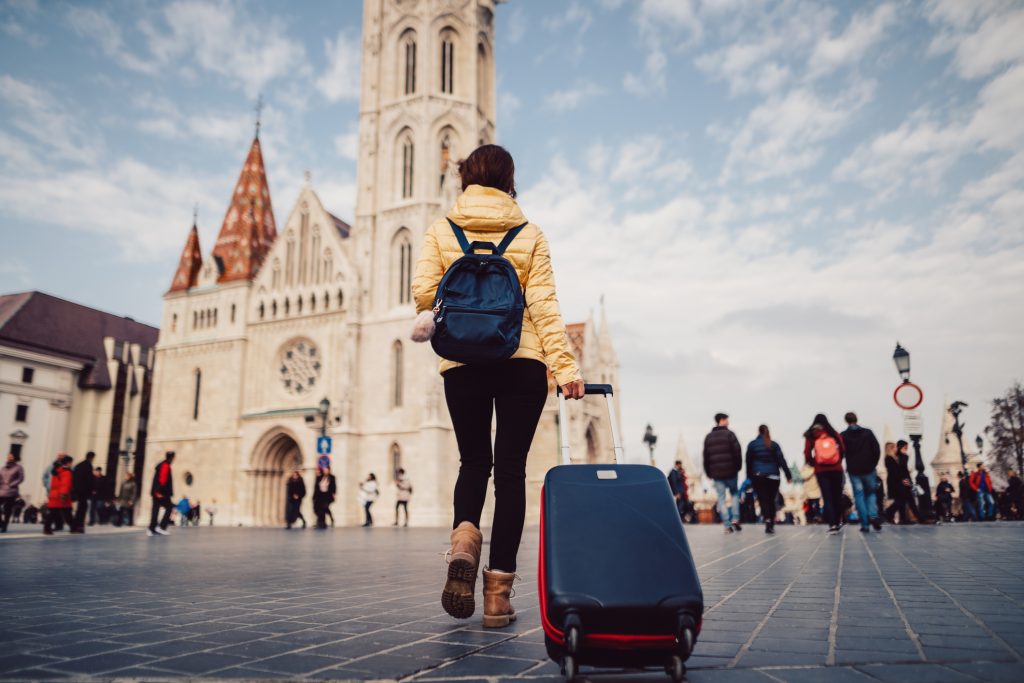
248, 230
190, 263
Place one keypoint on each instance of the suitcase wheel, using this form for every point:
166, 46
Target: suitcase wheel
572, 640
569, 668
676, 669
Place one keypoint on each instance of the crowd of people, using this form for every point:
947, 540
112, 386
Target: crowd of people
832, 460
325, 490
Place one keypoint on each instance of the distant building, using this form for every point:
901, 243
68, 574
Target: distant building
72, 379
947, 460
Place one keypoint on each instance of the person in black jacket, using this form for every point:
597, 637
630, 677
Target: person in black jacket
723, 458
944, 499
862, 454
677, 484
899, 484
82, 484
162, 490
323, 495
296, 492
764, 462
968, 510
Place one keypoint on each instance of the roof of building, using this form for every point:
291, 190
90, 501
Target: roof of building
40, 322
190, 263
248, 230
343, 228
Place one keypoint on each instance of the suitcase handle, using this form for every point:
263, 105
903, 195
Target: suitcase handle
563, 422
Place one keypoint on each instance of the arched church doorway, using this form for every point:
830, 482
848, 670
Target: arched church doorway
276, 456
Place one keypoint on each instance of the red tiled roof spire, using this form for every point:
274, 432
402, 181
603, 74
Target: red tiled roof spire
191, 261
248, 230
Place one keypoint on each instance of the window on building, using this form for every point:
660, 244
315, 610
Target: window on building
215, 317
328, 267
15, 449
195, 319
396, 373
448, 62
446, 146
277, 274
287, 306
273, 309
27, 375
327, 300
174, 322
263, 311
316, 263
303, 246
195, 399
341, 299
407, 166
312, 302
232, 312
119, 350
402, 266
21, 413
409, 49
298, 304
289, 262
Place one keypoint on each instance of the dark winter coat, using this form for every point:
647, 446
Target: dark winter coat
896, 472
83, 480
723, 455
325, 497
944, 490
296, 489
966, 493
763, 461
862, 450
163, 481
677, 482
821, 467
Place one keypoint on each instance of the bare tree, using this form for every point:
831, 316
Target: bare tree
1006, 432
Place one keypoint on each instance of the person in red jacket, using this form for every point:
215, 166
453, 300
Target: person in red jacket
59, 504
825, 450
981, 483
162, 491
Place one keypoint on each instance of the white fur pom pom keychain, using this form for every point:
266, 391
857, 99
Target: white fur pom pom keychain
423, 327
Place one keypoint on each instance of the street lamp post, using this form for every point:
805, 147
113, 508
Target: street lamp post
901, 357
955, 408
650, 438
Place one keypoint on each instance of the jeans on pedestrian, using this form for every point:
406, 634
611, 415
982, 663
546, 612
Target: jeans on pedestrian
831, 484
6, 508
967, 508
158, 504
986, 505
366, 510
732, 513
292, 512
864, 497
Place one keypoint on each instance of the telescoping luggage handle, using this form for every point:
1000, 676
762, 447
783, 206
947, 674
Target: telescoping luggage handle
563, 422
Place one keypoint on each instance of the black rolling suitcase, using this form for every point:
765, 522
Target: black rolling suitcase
618, 586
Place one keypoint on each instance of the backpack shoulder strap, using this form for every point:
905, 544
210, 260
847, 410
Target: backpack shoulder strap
509, 236
460, 235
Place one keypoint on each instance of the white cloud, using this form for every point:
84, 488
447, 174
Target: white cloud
508, 107
516, 28
96, 25
52, 125
652, 79
983, 35
572, 98
340, 81
864, 31
347, 143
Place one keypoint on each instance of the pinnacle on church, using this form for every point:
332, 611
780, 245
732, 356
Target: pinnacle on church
191, 261
248, 230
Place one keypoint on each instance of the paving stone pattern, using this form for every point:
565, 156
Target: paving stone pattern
910, 604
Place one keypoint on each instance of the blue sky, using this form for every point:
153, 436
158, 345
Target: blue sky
768, 194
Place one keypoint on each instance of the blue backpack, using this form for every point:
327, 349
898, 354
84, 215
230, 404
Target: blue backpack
478, 309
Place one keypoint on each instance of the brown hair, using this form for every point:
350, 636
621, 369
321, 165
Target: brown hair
766, 435
890, 448
490, 166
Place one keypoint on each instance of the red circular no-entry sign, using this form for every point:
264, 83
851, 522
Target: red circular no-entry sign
908, 396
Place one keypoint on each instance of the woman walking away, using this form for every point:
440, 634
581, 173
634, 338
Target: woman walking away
764, 462
368, 492
11, 476
403, 491
323, 495
516, 388
296, 492
59, 505
823, 448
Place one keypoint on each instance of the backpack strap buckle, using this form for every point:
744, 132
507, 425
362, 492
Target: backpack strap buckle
468, 248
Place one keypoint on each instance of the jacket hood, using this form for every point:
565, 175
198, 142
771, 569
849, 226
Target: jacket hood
485, 209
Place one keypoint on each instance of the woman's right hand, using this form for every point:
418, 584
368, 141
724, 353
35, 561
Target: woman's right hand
574, 390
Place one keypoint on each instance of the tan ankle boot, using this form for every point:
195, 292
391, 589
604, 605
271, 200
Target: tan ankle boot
498, 610
457, 598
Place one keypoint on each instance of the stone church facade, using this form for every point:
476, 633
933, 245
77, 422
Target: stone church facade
257, 335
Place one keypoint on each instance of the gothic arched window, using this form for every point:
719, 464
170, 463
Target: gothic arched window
408, 57
263, 311
407, 164
195, 398
312, 302
401, 260
341, 299
277, 274
303, 245
448, 61
273, 309
396, 374
484, 92
316, 263
446, 153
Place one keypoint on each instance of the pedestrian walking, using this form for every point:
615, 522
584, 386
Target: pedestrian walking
812, 494
677, 483
723, 458
58, 506
323, 495
516, 389
368, 492
1014, 495
824, 449
898, 483
909, 495
295, 492
211, 511
765, 465
944, 497
862, 455
97, 497
403, 492
184, 508
83, 482
126, 500
161, 491
12, 474
968, 509
981, 483
923, 493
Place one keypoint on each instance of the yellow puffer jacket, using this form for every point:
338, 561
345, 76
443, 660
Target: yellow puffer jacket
487, 214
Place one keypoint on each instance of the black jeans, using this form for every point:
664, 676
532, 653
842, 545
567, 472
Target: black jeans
404, 504
7, 507
831, 484
366, 510
56, 518
81, 509
766, 490
516, 389
159, 503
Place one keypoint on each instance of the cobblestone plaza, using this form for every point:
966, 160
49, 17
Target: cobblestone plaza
909, 604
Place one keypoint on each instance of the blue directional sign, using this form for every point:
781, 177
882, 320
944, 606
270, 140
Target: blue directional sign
323, 445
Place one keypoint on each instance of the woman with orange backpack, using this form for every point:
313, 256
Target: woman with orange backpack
825, 450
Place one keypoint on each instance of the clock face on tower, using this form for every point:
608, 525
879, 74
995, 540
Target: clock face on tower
299, 366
